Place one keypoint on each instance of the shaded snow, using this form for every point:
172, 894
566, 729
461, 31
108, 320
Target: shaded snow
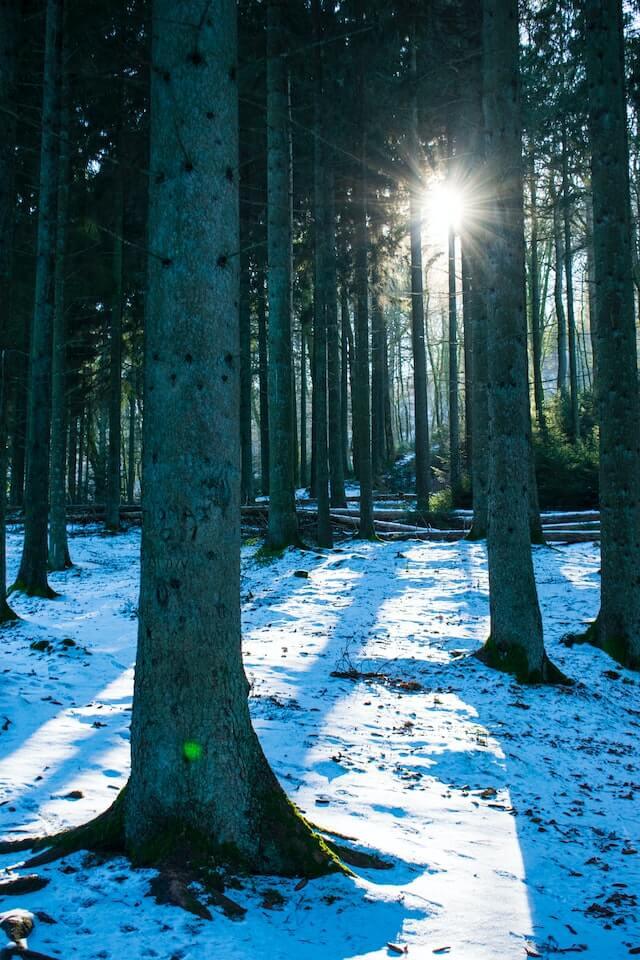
510, 814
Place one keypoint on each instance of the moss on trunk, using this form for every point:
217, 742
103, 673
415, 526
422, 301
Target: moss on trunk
513, 659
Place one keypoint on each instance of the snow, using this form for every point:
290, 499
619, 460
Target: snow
509, 815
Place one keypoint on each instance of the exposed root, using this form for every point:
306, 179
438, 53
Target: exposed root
618, 648
513, 659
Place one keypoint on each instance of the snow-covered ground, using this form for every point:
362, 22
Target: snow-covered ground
510, 815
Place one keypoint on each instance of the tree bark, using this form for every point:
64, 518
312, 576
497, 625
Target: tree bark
32, 575
421, 410
59, 558
283, 524
200, 784
8, 57
334, 369
263, 375
568, 269
557, 294
534, 283
515, 643
454, 415
617, 628
246, 472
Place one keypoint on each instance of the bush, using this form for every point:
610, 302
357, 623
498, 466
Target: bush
567, 472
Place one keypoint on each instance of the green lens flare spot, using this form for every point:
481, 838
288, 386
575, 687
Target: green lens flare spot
192, 750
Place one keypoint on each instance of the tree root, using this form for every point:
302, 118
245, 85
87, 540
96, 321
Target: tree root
513, 660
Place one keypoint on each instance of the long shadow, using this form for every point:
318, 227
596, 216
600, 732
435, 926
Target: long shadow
52, 725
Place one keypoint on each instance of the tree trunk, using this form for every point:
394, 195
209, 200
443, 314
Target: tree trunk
263, 376
112, 486
377, 370
568, 267
617, 628
421, 410
59, 558
246, 472
454, 415
8, 57
283, 524
467, 297
304, 471
557, 294
344, 378
334, 370
515, 643
534, 281
200, 783
32, 575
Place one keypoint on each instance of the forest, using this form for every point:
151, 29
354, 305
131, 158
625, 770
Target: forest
319, 479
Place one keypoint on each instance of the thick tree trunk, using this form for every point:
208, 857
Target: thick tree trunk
200, 783
421, 410
59, 558
617, 629
32, 575
283, 524
515, 643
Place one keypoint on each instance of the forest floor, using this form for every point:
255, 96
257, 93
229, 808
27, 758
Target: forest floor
509, 815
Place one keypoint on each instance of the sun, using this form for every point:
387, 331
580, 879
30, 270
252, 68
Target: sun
444, 208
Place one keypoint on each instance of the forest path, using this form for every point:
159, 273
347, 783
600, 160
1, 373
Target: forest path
509, 814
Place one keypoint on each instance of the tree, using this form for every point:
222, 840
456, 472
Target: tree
32, 575
617, 627
515, 643
8, 50
421, 412
283, 524
199, 779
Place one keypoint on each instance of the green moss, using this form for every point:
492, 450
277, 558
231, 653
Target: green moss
513, 659
293, 842
103, 834
21, 587
267, 554
618, 647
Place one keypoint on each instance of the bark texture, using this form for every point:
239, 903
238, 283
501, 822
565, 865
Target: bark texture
32, 575
199, 779
283, 524
617, 628
516, 643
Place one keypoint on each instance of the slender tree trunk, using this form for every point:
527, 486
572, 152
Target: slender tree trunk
344, 380
32, 575
131, 456
516, 643
304, 472
557, 295
246, 473
113, 485
479, 404
377, 371
617, 628
534, 280
591, 281
361, 383
8, 57
263, 375
72, 457
336, 445
283, 524
421, 410
200, 784
454, 415
59, 558
568, 267
467, 332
